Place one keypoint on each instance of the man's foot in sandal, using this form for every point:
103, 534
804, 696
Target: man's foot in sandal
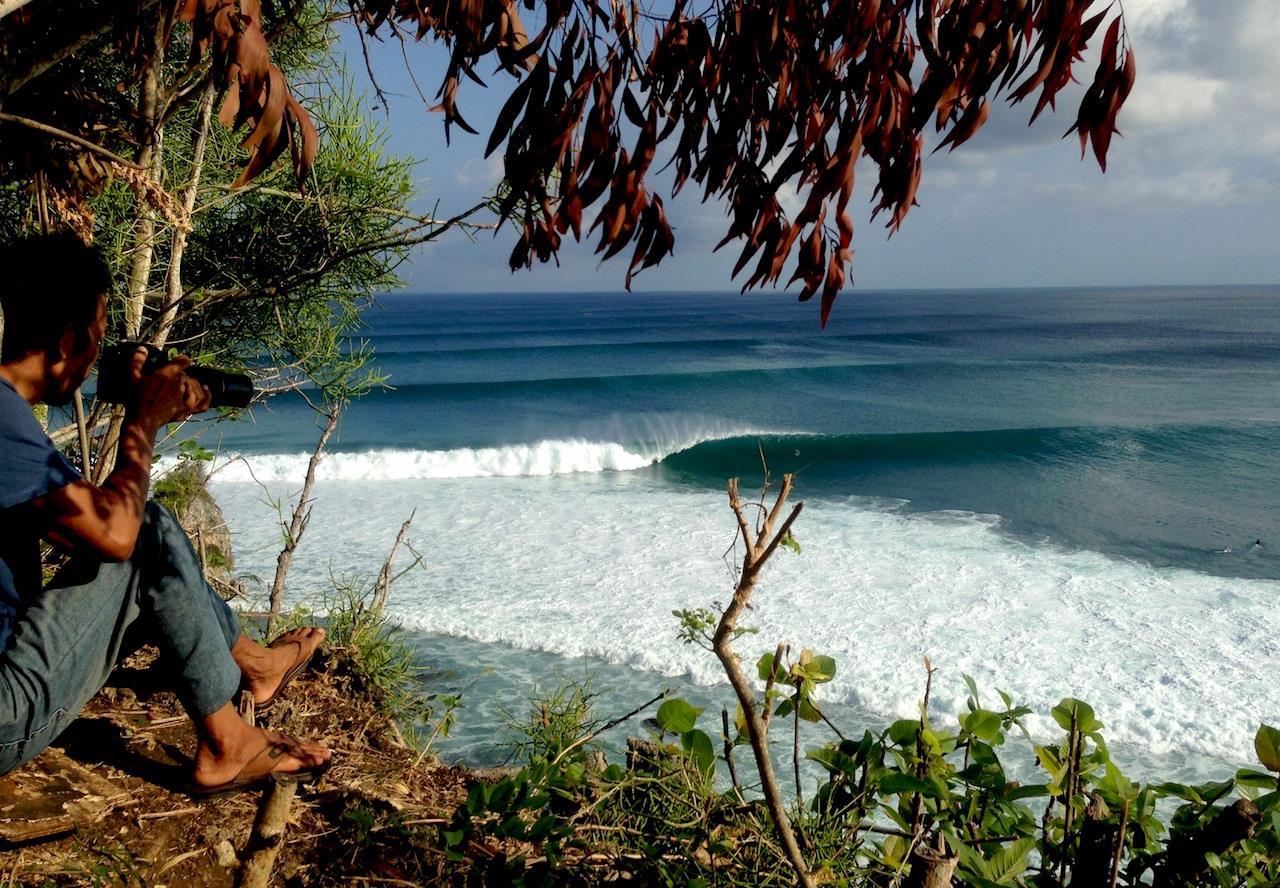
268, 670
252, 758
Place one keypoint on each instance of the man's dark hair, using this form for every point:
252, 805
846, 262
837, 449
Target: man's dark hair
48, 283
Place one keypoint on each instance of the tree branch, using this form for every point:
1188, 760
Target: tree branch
301, 515
68, 137
753, 562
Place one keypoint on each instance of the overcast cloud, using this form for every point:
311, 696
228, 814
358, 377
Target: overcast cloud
1190, 196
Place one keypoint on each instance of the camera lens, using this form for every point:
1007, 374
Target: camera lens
227, 389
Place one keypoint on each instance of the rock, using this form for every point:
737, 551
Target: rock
183, 489
645, 756
225, 854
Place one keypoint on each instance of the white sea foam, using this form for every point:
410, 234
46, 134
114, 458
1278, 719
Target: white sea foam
1172, 659
517, 460
553, 457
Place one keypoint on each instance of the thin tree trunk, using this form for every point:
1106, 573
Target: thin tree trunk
931, 869
268, 835
173, 275
150, 151
382, 588
760, 546
300, 519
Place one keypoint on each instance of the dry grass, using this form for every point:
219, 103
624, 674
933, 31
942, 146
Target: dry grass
372, 819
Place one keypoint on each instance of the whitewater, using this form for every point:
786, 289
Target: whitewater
1169, 657
1055, 492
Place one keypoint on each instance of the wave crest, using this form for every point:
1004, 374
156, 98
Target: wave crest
517, 460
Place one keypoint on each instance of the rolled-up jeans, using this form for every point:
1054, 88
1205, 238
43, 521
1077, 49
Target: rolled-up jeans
67, 641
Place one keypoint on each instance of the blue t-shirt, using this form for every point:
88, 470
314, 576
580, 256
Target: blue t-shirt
30, 467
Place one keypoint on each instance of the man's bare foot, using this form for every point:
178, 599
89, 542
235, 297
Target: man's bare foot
264, 668
230, 750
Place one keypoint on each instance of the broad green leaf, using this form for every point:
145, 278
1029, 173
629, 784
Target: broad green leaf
1267, 744
1035, 791
1086, 722
697, 745
790, 542
542, 827
1255, 779
677, 716
893, 851
764, 667
982, 724
1010, 861
1050, 762
501, 795
896, 782
452, 837
833, 760
1179, 791
904, 731
1117, 784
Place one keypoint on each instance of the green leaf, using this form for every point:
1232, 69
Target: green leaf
790, 542
896, 782
542, 827
677, 716
1086, 721
834, 760
1038, 790
1050, 762
697, 745
893, 851
1267, 745
904, 731
500, 795
764, 667
452, 837
1117, 784
808, 712
1010, 861
511, 828
821, 668
982, 724
1255, 779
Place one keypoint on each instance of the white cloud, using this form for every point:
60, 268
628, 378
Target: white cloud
483, 171
1169, 98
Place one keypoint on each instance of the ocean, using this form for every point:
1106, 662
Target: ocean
1058, 492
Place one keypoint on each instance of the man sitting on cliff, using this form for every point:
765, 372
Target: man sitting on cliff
133, 576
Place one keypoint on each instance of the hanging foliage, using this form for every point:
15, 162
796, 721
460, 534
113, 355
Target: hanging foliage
749, 96
743, 98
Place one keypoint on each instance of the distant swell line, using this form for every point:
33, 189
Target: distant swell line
739, 453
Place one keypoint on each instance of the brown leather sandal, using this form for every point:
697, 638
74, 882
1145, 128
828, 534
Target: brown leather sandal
273, 751
290, 674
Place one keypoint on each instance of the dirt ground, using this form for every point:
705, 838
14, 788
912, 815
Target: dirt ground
371, 820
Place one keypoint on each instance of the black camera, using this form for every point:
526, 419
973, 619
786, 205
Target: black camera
114, 372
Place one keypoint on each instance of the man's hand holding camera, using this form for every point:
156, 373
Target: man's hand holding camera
166, 394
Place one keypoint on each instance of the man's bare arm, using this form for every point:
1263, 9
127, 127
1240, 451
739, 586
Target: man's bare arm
105, 520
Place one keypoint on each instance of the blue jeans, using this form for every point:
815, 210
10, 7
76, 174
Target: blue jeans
67, 641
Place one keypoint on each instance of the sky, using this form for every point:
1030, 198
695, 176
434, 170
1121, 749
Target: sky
1189, 197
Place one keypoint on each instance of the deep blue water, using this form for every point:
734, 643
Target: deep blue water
1143, 423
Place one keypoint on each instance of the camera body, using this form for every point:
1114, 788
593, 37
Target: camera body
114, 370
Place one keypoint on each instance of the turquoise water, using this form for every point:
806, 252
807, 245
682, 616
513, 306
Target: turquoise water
1055, 491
